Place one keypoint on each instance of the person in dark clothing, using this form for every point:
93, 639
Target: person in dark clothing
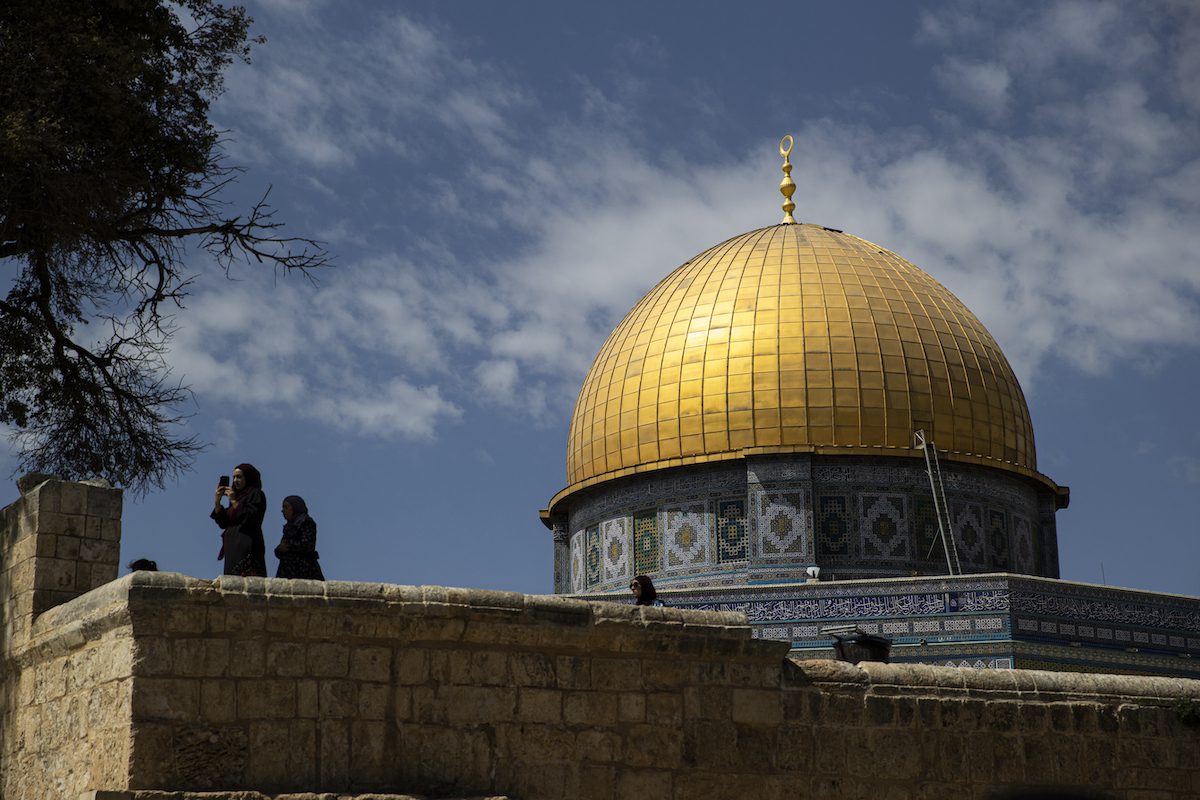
297, 550
643, 589
143, 564
242, 546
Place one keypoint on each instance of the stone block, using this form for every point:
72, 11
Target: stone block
616, 674
72, 498
334, 738
711, 744
337, 699
166, 699
596, 782
201, 657
478, 704
599, 746
185, 620
402, 703
412, 667
110, 530
83, 577
247, 658
40, 491
286, 659
657, 746
664, 673
103, 573
66, 547
539, 705
591, 709
373, 700
532, 669
245, 620
153, 656
307, 699
644, 783
218, 701
266, 699
54, 573
664, 708
371, 664
99, 550
758, 706
104, 503
93, 527
269, 753
573, 672
326, 660
368, 743
486, 668
631, 707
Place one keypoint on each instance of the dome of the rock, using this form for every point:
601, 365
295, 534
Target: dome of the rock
795, 338
756, 416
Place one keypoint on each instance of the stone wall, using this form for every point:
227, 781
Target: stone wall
162, 682
287, 686
64, 681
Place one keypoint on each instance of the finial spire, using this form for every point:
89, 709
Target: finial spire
787, 186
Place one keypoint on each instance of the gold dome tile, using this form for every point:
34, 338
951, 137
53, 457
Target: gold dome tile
795, 338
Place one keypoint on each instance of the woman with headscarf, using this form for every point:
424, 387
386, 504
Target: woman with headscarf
242, 545
644, 592
297, 550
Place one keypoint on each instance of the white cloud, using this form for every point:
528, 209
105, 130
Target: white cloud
1071, 237
981, 84
327, 101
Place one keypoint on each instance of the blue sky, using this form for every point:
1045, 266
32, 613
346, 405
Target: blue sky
500, 182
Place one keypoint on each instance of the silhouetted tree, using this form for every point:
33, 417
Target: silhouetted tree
109, 171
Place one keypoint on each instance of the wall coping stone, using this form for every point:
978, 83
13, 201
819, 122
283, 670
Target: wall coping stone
1023, 684
152, 794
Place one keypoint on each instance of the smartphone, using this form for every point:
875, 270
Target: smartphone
224, 481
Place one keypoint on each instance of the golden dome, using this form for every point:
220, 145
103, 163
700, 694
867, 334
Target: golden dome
795, 338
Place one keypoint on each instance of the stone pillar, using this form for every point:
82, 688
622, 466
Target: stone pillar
562, 559
59, 540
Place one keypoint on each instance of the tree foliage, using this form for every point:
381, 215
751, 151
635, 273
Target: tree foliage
110, 173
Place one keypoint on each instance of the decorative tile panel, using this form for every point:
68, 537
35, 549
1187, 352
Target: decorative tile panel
968, 533
997, 540
1022, 540
647, 550
780, 525
833, 526
615, 542
884, 526
592, 555
733, 541
685, 535
577, 575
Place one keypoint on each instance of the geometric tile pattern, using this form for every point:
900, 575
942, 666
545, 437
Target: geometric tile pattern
615, 544
997, 538
732, 537
884, 526
780, 525
833, 526
592, 554
927, 542
577, 582
685, 535
1022, 542
647, 547
968, 533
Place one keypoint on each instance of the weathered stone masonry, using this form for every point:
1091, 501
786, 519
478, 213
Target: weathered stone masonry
159, 681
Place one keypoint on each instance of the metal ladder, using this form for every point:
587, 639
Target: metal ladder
940, 507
